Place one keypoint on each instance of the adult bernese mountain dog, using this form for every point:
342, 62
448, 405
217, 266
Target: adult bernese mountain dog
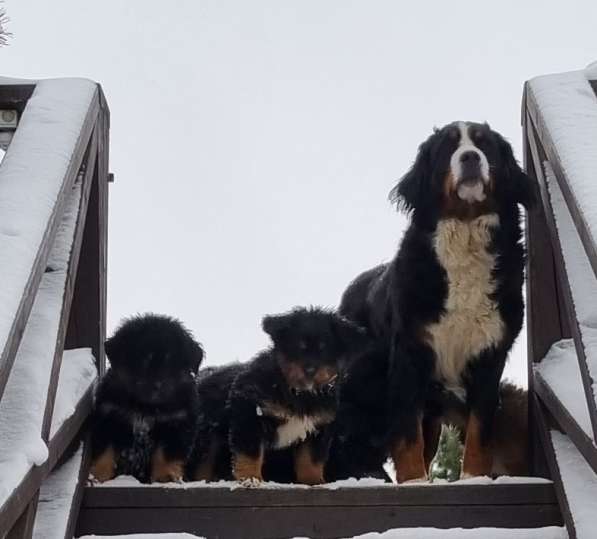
445, 311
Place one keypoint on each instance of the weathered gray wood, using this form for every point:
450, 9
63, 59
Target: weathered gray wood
315, 513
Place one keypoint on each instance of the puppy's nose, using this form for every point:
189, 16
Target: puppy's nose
310, 370
470, 157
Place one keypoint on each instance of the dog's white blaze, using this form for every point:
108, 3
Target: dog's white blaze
471, 322
467, 145
295, 429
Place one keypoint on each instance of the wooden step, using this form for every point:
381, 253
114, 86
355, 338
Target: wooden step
319, 512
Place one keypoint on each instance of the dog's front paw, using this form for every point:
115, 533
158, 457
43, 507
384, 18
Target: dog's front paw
250, 482
103, 468
164, 470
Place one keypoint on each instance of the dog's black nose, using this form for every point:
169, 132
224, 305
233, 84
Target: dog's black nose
471, 157
310, 370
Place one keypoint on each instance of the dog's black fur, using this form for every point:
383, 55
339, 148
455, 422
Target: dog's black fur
245, 408
147, 401
398, 301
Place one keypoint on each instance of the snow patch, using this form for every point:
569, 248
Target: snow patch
31, 176
23, 404
55, 499
77, 374
551, 532
568, 106
580, 484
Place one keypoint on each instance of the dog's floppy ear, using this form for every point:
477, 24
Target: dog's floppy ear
519, 187
412, 193
195, 355
353, 338
111, 347
275, 326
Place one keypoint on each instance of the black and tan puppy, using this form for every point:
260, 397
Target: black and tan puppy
283, 398
145, 415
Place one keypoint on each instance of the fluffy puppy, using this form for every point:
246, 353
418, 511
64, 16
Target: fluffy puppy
283, 398
145, 415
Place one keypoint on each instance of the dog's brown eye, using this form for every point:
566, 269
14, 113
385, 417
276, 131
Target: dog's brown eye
454, 133
477, 136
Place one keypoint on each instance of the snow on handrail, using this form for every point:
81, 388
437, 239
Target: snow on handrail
565, 113
23, 404
41, 163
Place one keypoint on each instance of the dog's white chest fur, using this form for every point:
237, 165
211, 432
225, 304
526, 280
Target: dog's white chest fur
471, 322
295, 429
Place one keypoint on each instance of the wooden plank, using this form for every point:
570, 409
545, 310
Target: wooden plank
314, 522
90, 163
543, 425
15, 334
87, 323
213, 496
19, 499
585, 233
565, 421
538, 158
544, 320
75, 508
23, 528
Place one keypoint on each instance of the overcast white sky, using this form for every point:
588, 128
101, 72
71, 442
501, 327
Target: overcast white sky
254, 143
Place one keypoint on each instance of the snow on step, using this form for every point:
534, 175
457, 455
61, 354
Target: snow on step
31, 176
148, 536
580, 485
551, 532
77, 373
23, 403
559, 368
569, 108
55, 499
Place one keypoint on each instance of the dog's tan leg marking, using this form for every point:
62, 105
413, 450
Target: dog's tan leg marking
307, 471
164, 470
409, 459
103, 468
478, 458
206, 469
247, 467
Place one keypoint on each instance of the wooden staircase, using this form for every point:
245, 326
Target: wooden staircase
225, 510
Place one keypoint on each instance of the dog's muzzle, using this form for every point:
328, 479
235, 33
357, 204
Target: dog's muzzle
470, 185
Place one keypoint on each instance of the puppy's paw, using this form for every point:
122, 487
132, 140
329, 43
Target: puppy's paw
164, 470
251, 482
247, 468
103, 468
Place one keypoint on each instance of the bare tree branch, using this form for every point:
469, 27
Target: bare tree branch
4, 33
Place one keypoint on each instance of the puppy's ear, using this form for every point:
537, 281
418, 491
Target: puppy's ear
276, 326
353, 338
111, 349
412, 191
195, 355
518, 186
